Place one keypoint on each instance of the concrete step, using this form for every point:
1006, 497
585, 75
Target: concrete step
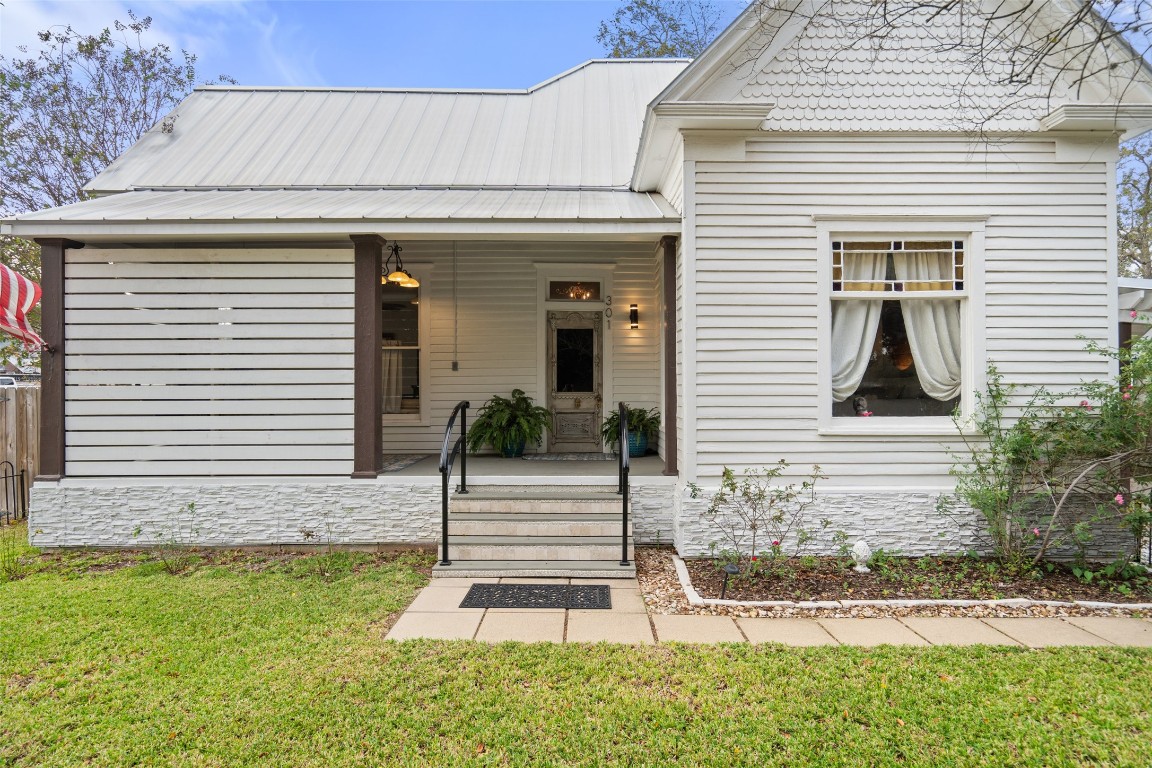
472, 504
528, 530
559, 548
512, 525
585, 569
539, 491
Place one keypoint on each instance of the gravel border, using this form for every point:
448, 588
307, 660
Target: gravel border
667, 589
694, 598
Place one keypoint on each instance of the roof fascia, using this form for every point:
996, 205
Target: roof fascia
659, 131
445, 229
666, 121
1143, 74
728, 43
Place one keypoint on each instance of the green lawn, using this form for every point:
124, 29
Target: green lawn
231, 666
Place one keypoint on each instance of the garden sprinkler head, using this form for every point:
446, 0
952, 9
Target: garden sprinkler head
729, 571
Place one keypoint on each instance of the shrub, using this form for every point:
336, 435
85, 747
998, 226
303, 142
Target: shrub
1064, 465
765, 526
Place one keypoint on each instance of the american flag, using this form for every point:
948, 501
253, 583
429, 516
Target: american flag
18, 295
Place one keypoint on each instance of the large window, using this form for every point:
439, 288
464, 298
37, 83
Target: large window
897, 336
400, 349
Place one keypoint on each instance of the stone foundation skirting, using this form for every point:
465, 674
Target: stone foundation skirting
74, 513
901, 522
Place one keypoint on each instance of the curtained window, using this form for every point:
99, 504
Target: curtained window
400, 349
896, 327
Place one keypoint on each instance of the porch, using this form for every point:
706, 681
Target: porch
496, 470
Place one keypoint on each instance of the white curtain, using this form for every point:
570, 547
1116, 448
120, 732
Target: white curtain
854, 323
933, 325
392, 367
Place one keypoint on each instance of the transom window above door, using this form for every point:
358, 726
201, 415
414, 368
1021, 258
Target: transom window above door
573, 290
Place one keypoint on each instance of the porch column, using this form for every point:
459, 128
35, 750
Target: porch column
52, 358
368, 452
670, 385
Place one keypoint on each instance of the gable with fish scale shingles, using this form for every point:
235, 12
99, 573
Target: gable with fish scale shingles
833, 77
837, 67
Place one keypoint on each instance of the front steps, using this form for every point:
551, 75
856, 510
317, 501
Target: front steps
536, 531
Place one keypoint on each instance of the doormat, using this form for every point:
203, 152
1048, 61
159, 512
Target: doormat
538, 596
569, 457
398, 461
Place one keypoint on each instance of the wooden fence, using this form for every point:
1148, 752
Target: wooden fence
20, 432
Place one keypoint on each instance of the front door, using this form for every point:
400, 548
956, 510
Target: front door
574, 393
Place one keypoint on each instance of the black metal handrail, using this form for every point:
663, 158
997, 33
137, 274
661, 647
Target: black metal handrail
447, 459
622, 489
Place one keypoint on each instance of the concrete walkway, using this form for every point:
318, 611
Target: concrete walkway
435, 613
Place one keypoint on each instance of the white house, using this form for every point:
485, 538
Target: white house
221, 337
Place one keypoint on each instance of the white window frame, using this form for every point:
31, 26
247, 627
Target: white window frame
848, 228
423, 272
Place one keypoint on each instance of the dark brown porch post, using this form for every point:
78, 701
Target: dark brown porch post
368, 453
670, 387
52, 359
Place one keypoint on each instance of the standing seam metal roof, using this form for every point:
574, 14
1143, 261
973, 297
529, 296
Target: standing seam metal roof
579, 130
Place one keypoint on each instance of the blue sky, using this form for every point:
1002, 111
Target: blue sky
393, 43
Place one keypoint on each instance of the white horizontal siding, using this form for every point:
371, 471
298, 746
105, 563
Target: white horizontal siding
492, 326
208, 362
756, 335
239, 361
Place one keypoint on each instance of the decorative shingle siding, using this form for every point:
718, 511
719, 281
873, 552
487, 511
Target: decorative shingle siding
839, 76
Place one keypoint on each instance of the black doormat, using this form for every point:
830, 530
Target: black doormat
538, 596
569, 457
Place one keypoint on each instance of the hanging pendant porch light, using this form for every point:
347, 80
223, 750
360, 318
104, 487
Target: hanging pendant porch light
398, 274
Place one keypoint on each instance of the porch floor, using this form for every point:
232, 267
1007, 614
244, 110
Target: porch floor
482, 467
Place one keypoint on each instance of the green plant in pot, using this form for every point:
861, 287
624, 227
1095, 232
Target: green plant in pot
507, 424
643, 426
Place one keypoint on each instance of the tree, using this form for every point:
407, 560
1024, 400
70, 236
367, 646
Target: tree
77, 106
1134, 208
72, 109
659, 29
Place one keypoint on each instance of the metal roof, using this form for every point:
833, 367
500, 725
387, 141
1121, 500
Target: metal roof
331, 211
580, 129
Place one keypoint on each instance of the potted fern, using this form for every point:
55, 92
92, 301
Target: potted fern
643, 426
507, 424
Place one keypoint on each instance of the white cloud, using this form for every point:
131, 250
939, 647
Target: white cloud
243, 38
284, 52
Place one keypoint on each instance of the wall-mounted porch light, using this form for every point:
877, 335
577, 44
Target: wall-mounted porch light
634, 316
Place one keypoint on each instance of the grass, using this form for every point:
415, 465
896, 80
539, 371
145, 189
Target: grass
235, 664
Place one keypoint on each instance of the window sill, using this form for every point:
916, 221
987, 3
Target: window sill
891, 427
403, 419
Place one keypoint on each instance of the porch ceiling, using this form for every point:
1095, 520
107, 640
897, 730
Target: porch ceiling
337, 212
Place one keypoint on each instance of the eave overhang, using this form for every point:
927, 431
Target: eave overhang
1129, 120
664, 123
273, 214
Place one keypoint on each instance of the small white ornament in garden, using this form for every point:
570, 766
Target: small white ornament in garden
862, 553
